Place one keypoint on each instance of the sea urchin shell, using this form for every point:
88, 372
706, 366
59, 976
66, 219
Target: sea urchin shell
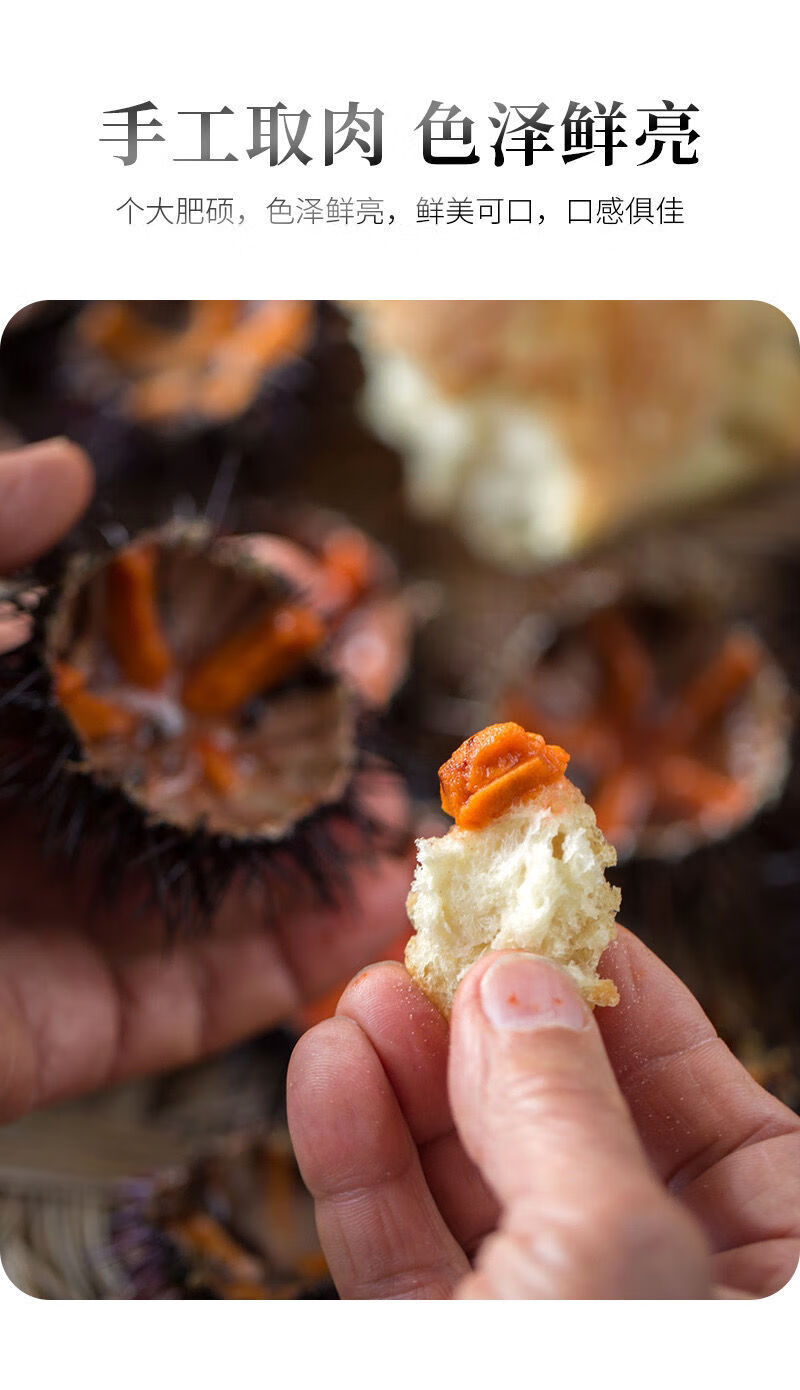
174, 703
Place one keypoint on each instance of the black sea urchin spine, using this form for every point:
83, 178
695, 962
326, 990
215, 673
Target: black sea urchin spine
184, 874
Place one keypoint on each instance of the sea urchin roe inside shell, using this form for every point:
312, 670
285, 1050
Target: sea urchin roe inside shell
203, 358
93, 716
348, 557
245, 733
677, 716
352, 586
134, 631
260, 656
495, 769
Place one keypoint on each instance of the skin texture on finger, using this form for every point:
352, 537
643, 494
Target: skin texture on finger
381, 1230
91, 996
411, 1038
723, 1144
74, 1018
539, 1110
44, 488
757, 1270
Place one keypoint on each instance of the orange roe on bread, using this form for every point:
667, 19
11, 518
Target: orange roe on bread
496, 769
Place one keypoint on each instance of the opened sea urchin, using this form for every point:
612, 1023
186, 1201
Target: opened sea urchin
175, 705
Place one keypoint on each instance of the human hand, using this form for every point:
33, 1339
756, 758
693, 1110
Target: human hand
560, 1154
90, 995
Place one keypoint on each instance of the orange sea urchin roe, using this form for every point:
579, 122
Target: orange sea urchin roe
219, 767
249, 661
133, 627
93, 716
349, 560
495, 769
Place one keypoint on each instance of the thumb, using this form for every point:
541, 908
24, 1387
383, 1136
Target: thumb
44, 488
538, 1109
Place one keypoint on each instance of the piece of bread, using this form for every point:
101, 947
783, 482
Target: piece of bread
538, 428
523, 867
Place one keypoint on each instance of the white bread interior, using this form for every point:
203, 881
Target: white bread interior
537, 428
533, 879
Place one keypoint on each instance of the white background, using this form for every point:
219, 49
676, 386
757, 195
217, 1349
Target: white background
61, 66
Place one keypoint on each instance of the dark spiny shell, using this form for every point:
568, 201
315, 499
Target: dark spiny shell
45, 768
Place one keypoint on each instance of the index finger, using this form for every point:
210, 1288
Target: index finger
693, 1102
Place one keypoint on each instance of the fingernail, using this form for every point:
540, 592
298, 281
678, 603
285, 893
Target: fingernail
520, 992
